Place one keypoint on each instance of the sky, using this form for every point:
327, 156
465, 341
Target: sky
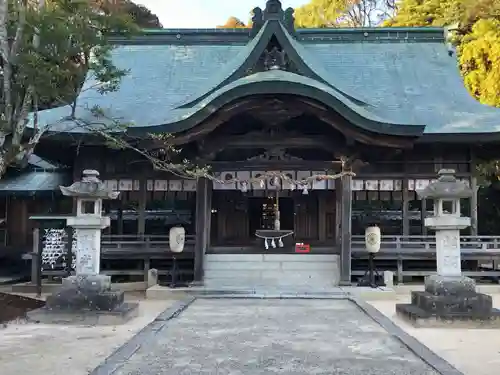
176, 14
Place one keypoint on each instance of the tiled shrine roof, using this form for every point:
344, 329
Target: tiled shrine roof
400, 81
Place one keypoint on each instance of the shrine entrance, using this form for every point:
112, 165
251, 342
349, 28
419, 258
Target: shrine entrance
262, 212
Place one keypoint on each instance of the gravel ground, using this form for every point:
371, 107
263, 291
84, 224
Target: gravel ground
270, 336
57, 350
472, 351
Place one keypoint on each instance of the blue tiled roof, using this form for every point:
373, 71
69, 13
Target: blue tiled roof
412, 83
395, 76
39, 163
31, 182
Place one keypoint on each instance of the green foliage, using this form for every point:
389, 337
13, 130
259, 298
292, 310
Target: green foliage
480, 61
233, 23
416, 13
45, 54
343, 13
477, 34
326, 13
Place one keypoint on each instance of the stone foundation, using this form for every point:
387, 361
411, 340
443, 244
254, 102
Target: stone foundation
285, 271
448, 302
86, 300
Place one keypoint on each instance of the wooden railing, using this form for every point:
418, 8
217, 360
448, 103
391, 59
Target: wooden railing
141, 250
425, 244
146, 244
483, 251
396, 250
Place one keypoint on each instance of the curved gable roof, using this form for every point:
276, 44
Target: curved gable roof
249, 57
384, 80
282, 82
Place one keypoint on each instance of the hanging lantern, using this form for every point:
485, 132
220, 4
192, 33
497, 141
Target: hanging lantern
304, 190
177, 237
280, 242
372, 239
244, 187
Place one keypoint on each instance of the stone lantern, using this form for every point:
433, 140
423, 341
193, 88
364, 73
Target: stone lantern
446, 221
88, 222
87, 298
448, 295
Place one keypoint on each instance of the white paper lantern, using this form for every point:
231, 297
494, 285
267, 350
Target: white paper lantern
372, 239
177, 238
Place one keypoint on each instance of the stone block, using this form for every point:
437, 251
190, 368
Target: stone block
425, 319
96, 283
90, 300
389, 279
152, 277
446, 285
475, 304
233, 258
120, 315
86, 300
301, 258
244, 265
330, 266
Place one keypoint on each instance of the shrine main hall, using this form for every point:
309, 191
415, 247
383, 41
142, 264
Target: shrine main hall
327, 131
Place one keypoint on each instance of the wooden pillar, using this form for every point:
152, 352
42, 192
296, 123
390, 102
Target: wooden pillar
25, 214
143, 200
201, 227
321, 216
423, 214
405, 207
474, 207
208, 220
37, 250
474, 230
346, 232
120, 218
338, 211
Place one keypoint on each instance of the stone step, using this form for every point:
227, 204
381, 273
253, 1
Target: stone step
271, 270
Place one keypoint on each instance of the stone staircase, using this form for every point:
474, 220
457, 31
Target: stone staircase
270, 271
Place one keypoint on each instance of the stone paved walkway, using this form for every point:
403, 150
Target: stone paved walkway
264, 337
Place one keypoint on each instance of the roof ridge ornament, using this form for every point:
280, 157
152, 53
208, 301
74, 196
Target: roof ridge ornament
273, 11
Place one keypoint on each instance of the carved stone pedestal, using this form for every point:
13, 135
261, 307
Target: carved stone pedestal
449, 300
85, 300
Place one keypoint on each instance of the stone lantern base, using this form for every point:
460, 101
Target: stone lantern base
85, 300
450, 302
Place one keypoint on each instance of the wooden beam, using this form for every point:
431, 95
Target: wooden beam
201, 228
346, 231
423, 215
405, 212
208, 221
405, 203
263, 140
474, 230
322, 215
338, 212
349, 130
274, 165
143, 198
305, 105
